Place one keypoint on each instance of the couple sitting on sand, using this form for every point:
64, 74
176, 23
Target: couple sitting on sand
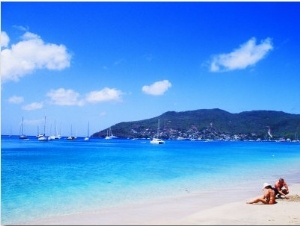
270, 193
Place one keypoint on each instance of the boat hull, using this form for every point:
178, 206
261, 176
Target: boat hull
157, 141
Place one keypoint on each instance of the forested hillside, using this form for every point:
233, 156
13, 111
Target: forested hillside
212, 124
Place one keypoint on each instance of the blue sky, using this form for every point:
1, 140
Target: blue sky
111, 62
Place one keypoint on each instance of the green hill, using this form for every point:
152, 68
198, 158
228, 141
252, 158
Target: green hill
212, 124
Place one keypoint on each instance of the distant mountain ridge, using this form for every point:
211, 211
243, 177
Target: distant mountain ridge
212, 124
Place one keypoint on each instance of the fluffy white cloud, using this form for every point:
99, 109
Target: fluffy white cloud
33, 106
15, 99
69, 97
248, 54
106, 94
157, 88
64, 97
29, 55
4, 39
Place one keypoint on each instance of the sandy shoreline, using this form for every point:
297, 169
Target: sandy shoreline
285, 212
196, 209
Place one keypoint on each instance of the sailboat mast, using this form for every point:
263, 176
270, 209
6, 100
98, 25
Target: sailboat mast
22, 126
45, 126
158, 129
22, 136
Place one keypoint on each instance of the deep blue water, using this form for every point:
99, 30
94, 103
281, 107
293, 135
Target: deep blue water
42, 179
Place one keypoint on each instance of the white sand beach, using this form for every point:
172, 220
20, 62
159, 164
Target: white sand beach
199, 209
285, 212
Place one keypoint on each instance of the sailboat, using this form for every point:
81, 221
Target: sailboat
51, 137
157, 140
57, 135
88, 133
22, 135
71, 137
38, 134
109, 134
43, 137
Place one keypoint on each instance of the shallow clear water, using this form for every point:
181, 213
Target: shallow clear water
43, 179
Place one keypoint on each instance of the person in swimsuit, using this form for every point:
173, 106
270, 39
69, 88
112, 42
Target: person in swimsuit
281, 188
267, 198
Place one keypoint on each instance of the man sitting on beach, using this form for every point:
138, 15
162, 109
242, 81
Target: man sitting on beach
268, 197
281, 188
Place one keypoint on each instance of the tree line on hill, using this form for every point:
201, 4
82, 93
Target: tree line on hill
213, 124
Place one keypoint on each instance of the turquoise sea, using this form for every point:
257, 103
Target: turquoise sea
46, 179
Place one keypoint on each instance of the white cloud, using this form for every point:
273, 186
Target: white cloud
21, 28
106, 94
157, 88
29, 55
248, 54
33, 106
102, 113
28, 36
4, 39
64, 97
15, 99
119, 62
68, 97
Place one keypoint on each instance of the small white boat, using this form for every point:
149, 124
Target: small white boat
88, 133
39, 135
43, 137
157, 141
110, 134
71, 137
57, 137
52, 137
22, 135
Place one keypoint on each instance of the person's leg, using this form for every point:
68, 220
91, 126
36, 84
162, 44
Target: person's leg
260, 199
